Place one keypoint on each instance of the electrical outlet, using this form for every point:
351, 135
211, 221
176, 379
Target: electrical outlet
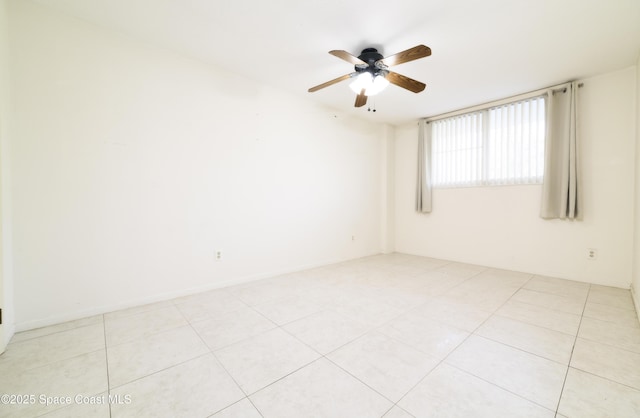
592, 254
218, 255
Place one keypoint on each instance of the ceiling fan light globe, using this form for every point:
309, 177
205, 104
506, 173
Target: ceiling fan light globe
379, 83
362, 81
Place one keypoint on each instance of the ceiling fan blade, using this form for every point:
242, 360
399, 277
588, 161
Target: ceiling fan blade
405, 82
410, 54
329, 83
361, 99
347, 57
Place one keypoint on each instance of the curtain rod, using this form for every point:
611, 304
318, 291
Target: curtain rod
559, 87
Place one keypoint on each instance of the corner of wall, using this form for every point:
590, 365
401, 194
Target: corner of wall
636, 300
387, 184
6, 275
635, 279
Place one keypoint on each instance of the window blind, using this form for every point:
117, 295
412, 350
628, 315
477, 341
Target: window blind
497, 146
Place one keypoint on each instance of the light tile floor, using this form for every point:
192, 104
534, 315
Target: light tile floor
391, 336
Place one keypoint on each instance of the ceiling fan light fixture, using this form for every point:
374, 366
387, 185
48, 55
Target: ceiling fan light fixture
370, 83
364, 80
379, 84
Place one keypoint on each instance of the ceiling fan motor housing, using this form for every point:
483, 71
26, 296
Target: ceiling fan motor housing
370, 56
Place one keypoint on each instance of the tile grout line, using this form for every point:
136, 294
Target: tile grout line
324, 356
516, 348
71, 358
608, 379
51, 363
106, 358
232, 378
74, 357
523, 350
575, 340
542, 292
277, 326
611, 306
537, 325
525, 322
168, 367
501, 388
617, 347
159, 371
55, 332
452, 350
235, 403
221, 365
471, 374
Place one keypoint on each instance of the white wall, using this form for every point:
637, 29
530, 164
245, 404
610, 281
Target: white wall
6, 273
132, 166
635, 285
500, 226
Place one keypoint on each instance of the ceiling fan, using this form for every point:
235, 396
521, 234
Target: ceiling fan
372, 73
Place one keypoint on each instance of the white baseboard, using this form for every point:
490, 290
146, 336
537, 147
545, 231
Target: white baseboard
99, 310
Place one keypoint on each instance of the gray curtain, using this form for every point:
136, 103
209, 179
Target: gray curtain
423, 183
560, 188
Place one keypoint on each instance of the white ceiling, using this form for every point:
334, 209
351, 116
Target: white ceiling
482, 50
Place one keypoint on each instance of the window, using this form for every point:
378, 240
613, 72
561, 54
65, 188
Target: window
497, 146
